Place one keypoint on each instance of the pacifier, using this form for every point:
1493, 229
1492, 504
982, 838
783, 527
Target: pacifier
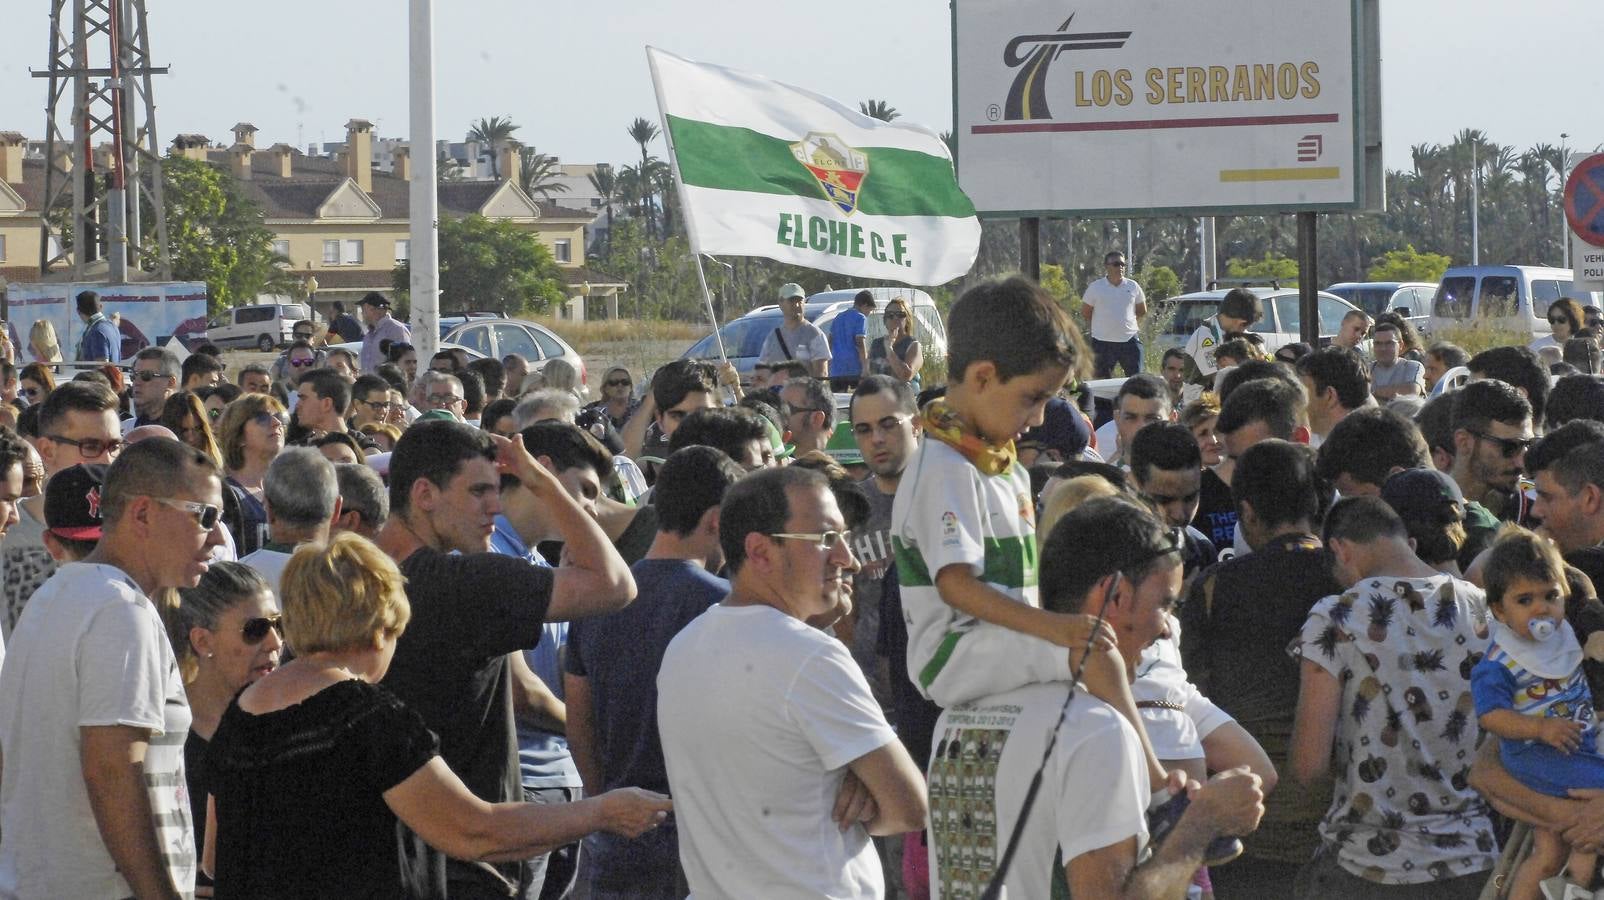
1542, 628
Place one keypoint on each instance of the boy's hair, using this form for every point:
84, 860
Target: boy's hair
1520, 367
692, 481
726, 428
366, 384
1518, 553
1013, 324
1479, 404
568, 446
1280, 479
492, 373
436, 451
74, 396
1575, 397
1339, 368
1164, 445
473, 393
1172, 353
1362, 520
680, 377
1199, 411
1269, 400
1369, 443
1236, 348
1102, 536
819, 397
1241, 303
1561, 442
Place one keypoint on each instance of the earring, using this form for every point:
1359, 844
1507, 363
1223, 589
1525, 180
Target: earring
211, 655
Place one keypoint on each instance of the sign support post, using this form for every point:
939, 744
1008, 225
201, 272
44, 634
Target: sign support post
1308, 287
1030, 247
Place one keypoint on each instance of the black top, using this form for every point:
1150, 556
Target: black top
638, 536
877, 354
1216, 511
450, 666
195, 748
299, 792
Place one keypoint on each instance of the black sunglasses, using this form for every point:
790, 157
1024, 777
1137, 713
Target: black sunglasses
1510, 447
255, 630
149, 376
616, 382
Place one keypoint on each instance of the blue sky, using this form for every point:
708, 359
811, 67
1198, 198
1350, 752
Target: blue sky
574, 78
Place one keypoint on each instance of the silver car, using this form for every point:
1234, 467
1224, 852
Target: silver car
497, 338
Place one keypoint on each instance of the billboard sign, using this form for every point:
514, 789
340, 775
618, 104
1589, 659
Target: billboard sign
1144, 107
146, 313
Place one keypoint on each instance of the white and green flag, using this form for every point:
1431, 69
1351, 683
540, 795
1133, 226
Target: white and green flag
767, 169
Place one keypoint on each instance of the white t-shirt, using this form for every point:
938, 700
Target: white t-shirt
270, 565
947, 512
759, 716
89, 650
1177, 727
1114, 309
1094, 792
806, 343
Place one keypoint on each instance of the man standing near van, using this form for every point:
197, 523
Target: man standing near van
101, 342
1113, 307
796, 338
375, 311
849, 343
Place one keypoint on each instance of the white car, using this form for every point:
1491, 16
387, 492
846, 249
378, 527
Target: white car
539, 345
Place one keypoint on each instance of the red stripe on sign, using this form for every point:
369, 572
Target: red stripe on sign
1153, 124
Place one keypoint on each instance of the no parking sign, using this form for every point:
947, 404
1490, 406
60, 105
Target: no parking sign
1584, 212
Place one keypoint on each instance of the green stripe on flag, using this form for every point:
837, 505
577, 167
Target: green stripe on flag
900, 182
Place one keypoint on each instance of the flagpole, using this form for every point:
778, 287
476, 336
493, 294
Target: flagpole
684, 205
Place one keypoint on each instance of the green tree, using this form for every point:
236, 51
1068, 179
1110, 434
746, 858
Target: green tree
493, 132
215, 234
490, 264
878, 109
538, 173
1054, 282
1271, 267
1159, 283
606, 185
1408, 264
642, 131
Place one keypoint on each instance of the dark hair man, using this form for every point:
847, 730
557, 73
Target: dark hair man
471, 608
1368, 445
1517, 366
1113, 307
1173, 368
796, 339
100, 341
1142, 400
1239, 309
375, 310
612, 663
493, 374
1568, 467
753, 702
254, 379
1167, 471
323, 398
1440, 357
345, 325
1493, 425
1436, 423
678, 388
93, 714
1393, 375
370, 400
201, 371
1575, 397
154, 378
849, 342
811, 419
1336, 382
737, 431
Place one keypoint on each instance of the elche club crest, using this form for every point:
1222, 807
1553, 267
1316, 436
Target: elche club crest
839, 169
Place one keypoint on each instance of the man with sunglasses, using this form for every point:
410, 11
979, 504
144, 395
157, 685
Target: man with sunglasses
302, 497
1113, 307
155, 378
810, 415
93, 715
302, 347
1492, 430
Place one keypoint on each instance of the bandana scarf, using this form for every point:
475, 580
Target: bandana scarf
941, 423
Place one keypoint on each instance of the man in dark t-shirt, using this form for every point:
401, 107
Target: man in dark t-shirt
470, 608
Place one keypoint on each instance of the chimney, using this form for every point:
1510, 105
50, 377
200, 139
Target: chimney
239, 161
192, 146
245, 133
403, 163
282, 155
359, 153
11, 145
510, 161
105, 158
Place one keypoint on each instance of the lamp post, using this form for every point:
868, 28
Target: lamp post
1564, 232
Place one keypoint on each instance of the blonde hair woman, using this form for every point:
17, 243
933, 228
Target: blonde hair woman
312, 767
42, 342
250, 435
898, 354
557, 373
185, 415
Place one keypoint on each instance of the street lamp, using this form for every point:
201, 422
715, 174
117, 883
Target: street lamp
1564, 232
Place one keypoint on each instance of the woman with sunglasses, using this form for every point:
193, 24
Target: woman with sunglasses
35, 382
1565, 318
618, 396
250, 435
226, 634
905, 357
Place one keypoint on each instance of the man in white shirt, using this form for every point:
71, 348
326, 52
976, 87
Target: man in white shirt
770, 734
1113, 307
93, 715
797, 338
302, 496
1391, 375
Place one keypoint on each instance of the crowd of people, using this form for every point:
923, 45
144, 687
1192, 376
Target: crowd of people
1317, 623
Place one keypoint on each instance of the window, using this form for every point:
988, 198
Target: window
403, 251
563, 251
2, 248
246, 315
331, 253
1453, 297
549, 347
477, 339
595, 203
1545, 292
353, 253
513, 339
1499, 296
281, 248
1332, 312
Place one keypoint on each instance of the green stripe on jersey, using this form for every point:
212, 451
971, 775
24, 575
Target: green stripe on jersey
938, 660
911, 570
1010, 562
899, 182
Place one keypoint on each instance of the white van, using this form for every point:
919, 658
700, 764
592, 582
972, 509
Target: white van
1513, 297
264, 326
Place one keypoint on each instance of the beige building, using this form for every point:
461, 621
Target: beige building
22, 189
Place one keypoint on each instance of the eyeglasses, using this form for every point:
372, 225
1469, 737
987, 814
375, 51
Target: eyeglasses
823, 540
148, 375
90, 447
205, 515
266, 419
896, 315
1559, 320
298, 363
255, 630
443, 399
378, 406
618, 383
1510, 447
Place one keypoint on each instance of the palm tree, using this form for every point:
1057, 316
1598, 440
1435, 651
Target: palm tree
538, 173
878, 109
643, 131
492, 133
606, 185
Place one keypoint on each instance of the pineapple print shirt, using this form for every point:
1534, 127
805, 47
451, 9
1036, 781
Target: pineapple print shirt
1402, 810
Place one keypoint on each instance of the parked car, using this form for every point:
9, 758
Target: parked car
1512, 297
355, 347
743, 337
260, 325
1282, 322
452, 321
536, 343
1410, 299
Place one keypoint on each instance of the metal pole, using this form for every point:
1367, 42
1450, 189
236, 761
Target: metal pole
1475, 208
1308, 289
1564, 231
1130, 245
423, 207
1030, 247
116, 198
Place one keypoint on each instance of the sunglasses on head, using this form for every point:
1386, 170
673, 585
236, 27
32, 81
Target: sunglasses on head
255, 630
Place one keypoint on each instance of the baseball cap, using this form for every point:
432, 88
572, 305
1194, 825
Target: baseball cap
791, 289
72, 502
375, 299
438, 415
1420, 493
1062, 429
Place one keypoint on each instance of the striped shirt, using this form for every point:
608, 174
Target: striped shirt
947, 512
